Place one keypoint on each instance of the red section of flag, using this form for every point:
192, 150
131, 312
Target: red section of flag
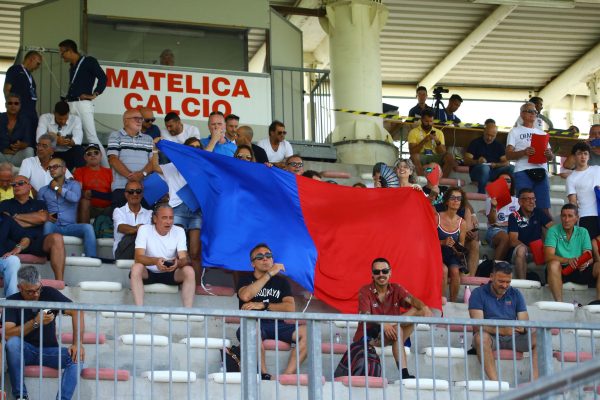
539, 143
352, 226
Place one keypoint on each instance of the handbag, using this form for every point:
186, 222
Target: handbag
536, 174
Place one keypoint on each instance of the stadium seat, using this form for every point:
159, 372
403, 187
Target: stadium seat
228, 377
362, 381
160, 288
474, 280
508, 355
72, 240
105, 242
555, 306
105, 374
387, 350
270, 344
125, 264
88, 338
120, 314
457, 328
344, 324
144, 339
101, 286
484, 386
33, 371
53, 283
293, 379
170, 376
182, 317
594, 309
575, 287
338, 348
83, 262
215, 290
585, 332
525, 284
426, 384
31, 259
571, 356
206, 343
444, 352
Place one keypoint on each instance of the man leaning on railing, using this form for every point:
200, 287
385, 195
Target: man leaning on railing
25, 333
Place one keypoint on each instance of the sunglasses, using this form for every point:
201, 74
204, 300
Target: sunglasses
149, 120
92, 153
18, 183
12, 103
384, 271
33, 292
132, 191
455, 198
281, 132
261, 256
530, 111
295, 164
53, 167
244, 157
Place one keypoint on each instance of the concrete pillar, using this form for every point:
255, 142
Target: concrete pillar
353, 27
593, 84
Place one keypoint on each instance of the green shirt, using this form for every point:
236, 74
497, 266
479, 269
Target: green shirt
557, 238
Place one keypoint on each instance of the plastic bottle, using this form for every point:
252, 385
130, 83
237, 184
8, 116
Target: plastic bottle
338, 339
467, 295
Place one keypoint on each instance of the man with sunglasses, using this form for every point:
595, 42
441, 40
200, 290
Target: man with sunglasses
148, 126
518, 148
62, 198
95, 181
13, 240
541, 119
6, 175
266, 290
295, 165
39, 343
382, 297
276, 147
66, 128
16, 133
498, 300
127, 221
31, 214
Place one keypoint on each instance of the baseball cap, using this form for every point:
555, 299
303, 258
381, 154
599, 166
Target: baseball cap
94, 146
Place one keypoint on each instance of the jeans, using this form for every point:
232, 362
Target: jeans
31, 356
83, 231
482, 174
9, 267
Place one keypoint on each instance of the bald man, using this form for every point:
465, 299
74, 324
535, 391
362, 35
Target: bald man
148, 126
244, 136
129, 155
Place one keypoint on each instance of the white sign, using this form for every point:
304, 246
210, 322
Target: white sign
193, 95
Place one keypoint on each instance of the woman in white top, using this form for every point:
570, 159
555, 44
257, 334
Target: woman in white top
497, 232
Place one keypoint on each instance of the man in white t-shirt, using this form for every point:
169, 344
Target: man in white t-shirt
127, 221
580, 188
518, 148
276, 147
177, 131
161, 257
36, 168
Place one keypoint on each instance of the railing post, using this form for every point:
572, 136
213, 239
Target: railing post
544, 351
249, 351
315, 365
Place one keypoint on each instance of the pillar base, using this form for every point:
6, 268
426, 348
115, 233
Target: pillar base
366, 152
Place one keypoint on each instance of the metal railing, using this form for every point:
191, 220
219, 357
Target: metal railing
437, 355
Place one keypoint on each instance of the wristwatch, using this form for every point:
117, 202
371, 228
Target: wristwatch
36, 324
266, 304
56, 188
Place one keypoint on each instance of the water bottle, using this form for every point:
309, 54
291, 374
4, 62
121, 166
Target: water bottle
222, 367
338, 339
467, 295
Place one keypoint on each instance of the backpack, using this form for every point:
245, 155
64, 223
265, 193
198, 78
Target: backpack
103, 226
484, 269
357, 361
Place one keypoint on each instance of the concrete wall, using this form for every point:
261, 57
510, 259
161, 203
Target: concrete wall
47, 23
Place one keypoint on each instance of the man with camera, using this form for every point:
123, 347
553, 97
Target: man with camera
426, 146
161, 257
66, 128
36, 347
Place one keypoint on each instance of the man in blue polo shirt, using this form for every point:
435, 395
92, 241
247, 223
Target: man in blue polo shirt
498, 300
219, 141
524, 227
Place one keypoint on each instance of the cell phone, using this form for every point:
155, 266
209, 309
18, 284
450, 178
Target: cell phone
460, 248
169, 263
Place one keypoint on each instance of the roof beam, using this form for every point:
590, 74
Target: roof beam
468, 44
578, 72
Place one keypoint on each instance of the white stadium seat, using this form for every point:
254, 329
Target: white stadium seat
160, 288
170, 376
555, 306
426, 384
101, 286
144, 339
488, 386
209, 343
83, 262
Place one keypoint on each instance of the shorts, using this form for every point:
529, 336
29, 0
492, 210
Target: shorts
450, 259
512, 255
184, 217
431, 158
493, 231
585, 277
36, 247
267, 330
166, 278
506, 343
591, 224
541, 189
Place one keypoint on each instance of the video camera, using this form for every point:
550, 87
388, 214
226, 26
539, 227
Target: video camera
437, 92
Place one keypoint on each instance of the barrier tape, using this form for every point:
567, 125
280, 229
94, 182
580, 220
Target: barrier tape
553, 132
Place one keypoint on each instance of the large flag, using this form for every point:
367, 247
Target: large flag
326, 235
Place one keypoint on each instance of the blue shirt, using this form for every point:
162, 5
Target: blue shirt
506, 307
22, 131
417, 111
529, 229
492, 152
89, 70
19, 79
63, 204
11, 233
227, 149
153, 132
13, 206
444, 117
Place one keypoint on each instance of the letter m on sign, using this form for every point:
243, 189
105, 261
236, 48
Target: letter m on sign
117, 81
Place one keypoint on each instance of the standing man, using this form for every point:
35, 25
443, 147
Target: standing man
486, 157
161, 257
266, 290
96, 182
31, 215
421, 106
218, 141
35, 346
564, 244
498, 300
83, 73
541, 119
148, 126
448, 114
244, 136
381, 297
67, 130
19, 80
518, 148
127, 221
129, 155
276, 147
62, 198
426, 145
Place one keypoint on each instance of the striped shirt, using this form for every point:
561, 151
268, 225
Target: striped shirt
133, 151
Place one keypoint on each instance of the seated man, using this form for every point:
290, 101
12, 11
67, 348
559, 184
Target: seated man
27, 322
127, 220
564, 244
244, 136
16, 133
6, 175
177, 131
265, 290
13, 241
35, 169
498, 300
219, 140
161, 257
95, 181
486, 157
66, 128
594, 142
276, 147
448, 114
62, 198
148, 126
381, 297
525, 226
426, 145
294, 164
31, 215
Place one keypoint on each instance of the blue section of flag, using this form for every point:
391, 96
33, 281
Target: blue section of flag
186, 194
154, 188
244, 204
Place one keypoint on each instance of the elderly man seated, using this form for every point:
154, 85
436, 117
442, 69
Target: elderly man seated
35, 169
